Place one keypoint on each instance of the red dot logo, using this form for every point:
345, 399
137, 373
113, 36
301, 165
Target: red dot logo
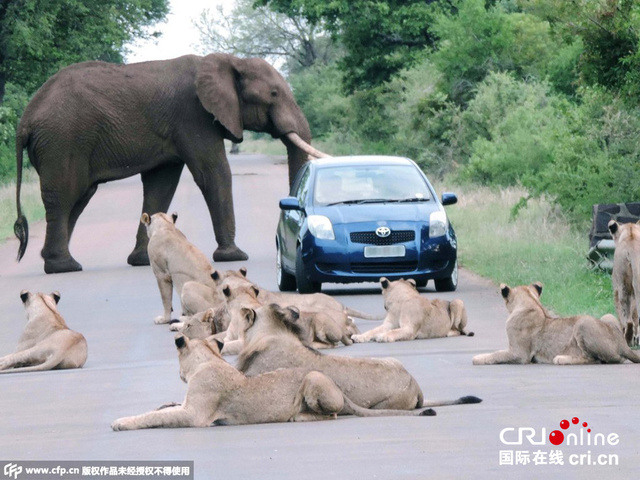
564, 424
556, 437
585, 424
575, 420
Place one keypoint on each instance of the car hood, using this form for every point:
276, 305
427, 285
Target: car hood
372, 212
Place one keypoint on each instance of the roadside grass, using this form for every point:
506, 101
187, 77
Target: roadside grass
30, 198
538, 245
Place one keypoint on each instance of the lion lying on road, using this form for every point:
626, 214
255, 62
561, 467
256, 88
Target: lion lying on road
47, 342
174, 259
271, 342
626, 277
535, 336
218, 394
411, 316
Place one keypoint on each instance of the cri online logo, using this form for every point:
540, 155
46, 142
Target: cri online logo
517, 436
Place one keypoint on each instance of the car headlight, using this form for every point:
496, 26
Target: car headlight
320, 227
438, 224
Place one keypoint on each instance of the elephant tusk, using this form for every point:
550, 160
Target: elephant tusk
304, 146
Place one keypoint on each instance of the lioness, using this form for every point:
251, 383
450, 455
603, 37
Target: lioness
47, 342
218, 394
412, 316
174, 259
204, 324
625, 276
271, 342
535, 336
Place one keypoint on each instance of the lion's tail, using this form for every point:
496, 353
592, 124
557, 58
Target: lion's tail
351, 408
458, 401
21, 227
365, 316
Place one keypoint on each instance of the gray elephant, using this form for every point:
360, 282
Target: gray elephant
94, 122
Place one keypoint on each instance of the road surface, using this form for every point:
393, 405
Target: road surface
132, 368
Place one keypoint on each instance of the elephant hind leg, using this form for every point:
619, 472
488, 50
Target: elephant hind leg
159, 186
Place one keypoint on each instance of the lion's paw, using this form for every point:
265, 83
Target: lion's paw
358, 338
161, 320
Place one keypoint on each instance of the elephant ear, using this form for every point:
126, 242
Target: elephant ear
216, 86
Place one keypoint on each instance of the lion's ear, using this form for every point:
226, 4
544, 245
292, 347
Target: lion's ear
412, 282
249, 314
56, 296
215, 276
181, 341
538, 287
504, 290
613, 227
226, 290
145, 219
243, 271
209, 315
256, 290
294, 313
384, 282
174, 217
24, 296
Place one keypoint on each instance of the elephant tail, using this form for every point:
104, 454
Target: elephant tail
21, 227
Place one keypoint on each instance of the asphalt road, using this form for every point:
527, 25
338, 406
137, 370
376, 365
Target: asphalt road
132, 368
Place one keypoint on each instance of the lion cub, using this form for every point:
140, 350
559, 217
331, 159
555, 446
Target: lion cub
626, 277
174, 260
535, 336
411, 316
218, 394
46, 343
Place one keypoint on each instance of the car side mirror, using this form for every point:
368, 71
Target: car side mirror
449, 198
290, 203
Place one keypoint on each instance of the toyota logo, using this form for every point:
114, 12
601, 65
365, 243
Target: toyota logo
383, 232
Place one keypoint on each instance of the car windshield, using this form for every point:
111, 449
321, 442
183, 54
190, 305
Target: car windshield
369, 184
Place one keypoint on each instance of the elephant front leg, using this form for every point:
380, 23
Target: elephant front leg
158, 186
210, 168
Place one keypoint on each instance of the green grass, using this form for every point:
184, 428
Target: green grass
30, 199
539, 245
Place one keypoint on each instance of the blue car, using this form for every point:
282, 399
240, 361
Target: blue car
359, 218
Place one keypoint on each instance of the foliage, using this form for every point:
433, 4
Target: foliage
38, 37
260, 32
380, 37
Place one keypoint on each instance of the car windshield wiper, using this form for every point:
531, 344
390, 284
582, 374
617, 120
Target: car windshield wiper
410, 199
359, 202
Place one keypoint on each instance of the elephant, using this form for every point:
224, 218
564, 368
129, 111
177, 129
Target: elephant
94, 122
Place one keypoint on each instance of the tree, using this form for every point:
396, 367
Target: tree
38, 37
381, 37
260, 32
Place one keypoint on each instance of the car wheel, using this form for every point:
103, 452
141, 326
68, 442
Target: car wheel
304, 284
448, 284
286, 281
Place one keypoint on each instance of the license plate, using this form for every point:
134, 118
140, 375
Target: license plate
384, 251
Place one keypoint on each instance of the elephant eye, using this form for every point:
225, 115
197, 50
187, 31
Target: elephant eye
274, 93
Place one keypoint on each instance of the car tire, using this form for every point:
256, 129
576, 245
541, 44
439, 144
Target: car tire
304, 284
448, 284
286, 282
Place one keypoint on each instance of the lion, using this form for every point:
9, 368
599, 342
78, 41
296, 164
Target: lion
625, 277
174, 260
536, 336
204, 324
218, 394
271, 342
411, 316
46, 343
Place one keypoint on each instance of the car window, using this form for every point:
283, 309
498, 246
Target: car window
365, 182
301, 194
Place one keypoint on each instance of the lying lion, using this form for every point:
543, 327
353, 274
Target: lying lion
174, 260
46, 343
625, 277
535, 336
411, 316
271, 342
218, 394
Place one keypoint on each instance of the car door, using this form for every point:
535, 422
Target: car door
292, 220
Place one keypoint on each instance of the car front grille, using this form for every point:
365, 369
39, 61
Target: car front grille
370, 238
382, 267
